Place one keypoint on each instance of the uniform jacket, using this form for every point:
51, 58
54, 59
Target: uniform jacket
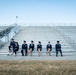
39, 46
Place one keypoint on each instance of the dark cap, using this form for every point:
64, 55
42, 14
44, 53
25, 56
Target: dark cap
12, 39
24, 41
39, 42
48, 41
58, 41
32, 41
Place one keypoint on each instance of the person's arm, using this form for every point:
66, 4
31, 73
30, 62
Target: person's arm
27, 46
22, 46
41, 47
34, 47
37, 47
46, 46
55, 47
60, 46
17, 46
51, 47
10, 44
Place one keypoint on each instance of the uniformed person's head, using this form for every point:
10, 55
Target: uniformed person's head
48, 42
32, 42
39, 42
12, 39
58, 42
24, 41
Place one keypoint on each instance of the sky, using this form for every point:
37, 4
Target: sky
37, 11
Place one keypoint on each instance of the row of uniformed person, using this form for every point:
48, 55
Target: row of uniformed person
31, 48
15, 46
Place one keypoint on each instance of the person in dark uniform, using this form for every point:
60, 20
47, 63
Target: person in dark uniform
49, 48
16, 48
39, 48
12, 45
58, 48
31, 47
24, 49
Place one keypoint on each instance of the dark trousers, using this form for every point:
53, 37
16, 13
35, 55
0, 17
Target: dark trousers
24, 52
58, 51
10, 49
15, 51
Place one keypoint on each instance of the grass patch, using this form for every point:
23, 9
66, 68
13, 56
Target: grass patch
37, 67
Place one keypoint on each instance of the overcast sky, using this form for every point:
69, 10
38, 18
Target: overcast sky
37, 11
